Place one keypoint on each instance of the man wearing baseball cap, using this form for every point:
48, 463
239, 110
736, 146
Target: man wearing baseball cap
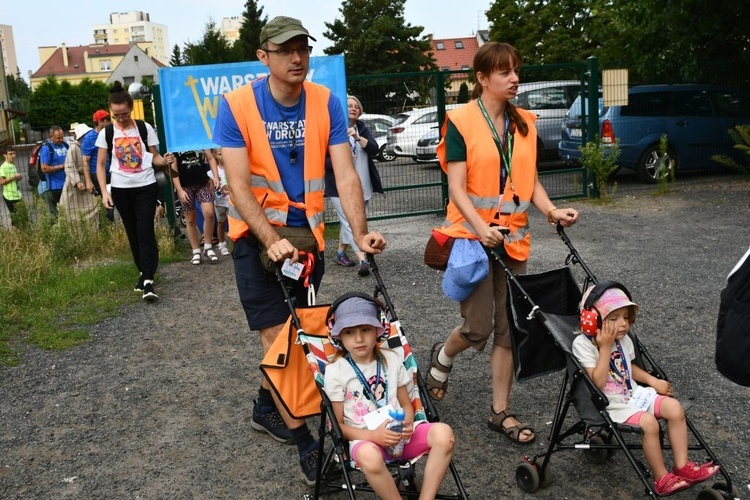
275, 133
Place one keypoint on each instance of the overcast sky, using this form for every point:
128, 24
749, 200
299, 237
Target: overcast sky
71, 22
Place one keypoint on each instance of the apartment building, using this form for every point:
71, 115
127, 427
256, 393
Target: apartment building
134, 27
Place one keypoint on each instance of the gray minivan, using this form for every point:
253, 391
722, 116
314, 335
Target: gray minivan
549, 101
695, 118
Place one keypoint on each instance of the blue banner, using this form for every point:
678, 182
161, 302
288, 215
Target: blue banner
190, 95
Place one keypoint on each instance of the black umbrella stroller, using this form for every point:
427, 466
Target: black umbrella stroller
542, 331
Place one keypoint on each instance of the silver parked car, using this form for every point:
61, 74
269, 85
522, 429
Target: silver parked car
409, 128
427, 146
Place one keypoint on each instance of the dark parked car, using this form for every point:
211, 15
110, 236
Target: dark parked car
695, 119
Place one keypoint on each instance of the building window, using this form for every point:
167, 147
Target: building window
440, 45
459, 44
150, 78
128, 80
135, 58
105, 65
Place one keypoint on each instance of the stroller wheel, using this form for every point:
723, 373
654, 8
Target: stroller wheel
527, 478
596, 456
545, 477
718, 490
711, 494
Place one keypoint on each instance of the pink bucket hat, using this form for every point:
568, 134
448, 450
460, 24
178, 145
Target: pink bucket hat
611, 300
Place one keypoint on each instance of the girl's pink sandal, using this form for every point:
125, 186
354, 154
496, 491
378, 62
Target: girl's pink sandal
670, 483
694, 473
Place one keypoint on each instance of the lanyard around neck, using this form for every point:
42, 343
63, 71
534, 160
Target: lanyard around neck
625, 375
366, 389
136, 151
506, 146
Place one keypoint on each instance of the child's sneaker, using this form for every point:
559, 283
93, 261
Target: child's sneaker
223, 250
341, 259
308, 461
269, 420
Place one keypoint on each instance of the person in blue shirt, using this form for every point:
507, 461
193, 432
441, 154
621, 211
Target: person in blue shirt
88, 148
294, 145
52, 158
90, 151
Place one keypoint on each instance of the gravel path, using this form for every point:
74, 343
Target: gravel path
157, 404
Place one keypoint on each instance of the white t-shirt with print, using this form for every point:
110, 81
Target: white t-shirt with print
615, 388
343, 385
127, 170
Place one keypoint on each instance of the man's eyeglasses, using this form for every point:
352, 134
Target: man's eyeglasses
284, 52
121, 116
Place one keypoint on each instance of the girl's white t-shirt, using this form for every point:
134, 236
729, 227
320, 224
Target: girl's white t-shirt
128, 169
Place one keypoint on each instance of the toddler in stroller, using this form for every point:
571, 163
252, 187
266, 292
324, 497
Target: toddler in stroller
606, 352
363, 382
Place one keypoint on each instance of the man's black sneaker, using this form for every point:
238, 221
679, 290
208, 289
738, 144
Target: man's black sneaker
139, 286
270, 422
308, 460
149, 295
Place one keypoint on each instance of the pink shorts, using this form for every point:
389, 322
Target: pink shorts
416, 446
635, 418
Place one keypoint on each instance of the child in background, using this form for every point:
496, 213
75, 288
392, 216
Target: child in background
607, 356
221, 202
9, 178
352, 381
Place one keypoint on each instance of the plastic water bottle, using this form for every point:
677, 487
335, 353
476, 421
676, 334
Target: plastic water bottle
397, 425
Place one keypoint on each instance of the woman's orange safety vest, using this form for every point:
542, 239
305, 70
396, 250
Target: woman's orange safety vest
483, 179
266, 180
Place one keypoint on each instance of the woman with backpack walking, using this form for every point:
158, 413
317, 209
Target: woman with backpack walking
133, 182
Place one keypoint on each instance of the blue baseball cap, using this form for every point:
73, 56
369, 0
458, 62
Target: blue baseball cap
468, 264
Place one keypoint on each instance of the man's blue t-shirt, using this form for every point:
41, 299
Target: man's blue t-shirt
88, 148
54, 156
282, 124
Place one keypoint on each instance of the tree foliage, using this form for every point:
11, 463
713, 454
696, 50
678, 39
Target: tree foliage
18, 91
658, 42
248, 43
61, 103
212, 48
375, 39
176, 59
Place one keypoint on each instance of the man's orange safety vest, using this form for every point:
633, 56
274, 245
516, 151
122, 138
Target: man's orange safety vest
266, 180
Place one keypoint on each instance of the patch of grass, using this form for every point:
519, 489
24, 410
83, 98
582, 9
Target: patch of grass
58, 279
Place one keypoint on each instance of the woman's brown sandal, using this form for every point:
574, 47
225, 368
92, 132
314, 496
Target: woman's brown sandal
434, 385
513, 432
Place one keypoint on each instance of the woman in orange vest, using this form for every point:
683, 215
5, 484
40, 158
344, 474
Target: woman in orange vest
488, 151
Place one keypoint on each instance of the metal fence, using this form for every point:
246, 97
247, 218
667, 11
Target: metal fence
413, 182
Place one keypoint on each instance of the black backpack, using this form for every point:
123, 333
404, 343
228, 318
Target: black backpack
733, 326
109, 134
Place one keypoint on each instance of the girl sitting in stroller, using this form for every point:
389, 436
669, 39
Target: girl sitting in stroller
606, 352
363, 382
